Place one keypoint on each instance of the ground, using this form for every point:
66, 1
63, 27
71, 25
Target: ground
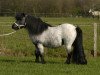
54, 66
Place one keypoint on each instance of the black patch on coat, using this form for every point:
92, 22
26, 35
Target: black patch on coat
35, 25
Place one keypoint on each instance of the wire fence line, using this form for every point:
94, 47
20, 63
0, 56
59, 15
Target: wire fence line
86, 24
48, 14
21, 34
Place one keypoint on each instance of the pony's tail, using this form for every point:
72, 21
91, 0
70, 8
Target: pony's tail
78, 50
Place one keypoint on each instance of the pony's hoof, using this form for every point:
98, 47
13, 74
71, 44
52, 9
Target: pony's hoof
67, 62
84, 62
37, 61
43, 62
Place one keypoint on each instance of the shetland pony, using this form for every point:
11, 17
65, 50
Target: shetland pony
94, 13
44, 35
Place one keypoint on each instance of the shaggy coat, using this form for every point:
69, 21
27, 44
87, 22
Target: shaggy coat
45, 35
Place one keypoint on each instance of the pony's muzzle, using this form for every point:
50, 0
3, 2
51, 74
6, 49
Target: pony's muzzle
15, 27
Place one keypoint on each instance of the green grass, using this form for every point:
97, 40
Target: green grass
17, 51
20, 43
76, 21
54, 66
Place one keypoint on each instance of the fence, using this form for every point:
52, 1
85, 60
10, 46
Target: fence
37, 14
48, 14
20, 41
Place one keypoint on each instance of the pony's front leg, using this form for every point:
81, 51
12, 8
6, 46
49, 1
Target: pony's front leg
39, 53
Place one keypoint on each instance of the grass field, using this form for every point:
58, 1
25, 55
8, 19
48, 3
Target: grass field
54, 66
17, 51
19, 43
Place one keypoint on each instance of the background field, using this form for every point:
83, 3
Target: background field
19, 43
17, 51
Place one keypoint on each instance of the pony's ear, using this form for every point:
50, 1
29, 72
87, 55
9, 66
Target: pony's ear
23, 14
39, 19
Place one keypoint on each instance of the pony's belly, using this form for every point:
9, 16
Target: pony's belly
52, 44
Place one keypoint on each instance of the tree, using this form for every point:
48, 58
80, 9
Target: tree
70, 7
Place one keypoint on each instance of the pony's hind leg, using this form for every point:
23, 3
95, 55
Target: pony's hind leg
69, 54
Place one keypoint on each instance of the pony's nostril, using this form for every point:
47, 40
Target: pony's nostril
14, 27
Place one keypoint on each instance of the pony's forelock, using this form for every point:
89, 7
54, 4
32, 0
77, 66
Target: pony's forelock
19, 16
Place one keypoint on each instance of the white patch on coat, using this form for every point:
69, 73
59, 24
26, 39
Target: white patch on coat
40, 46
53, 36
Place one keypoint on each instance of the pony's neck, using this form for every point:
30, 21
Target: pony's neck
37, 27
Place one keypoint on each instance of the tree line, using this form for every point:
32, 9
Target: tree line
68, 7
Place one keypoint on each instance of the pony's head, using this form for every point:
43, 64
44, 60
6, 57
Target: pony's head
91, 10
20, 21
33, 24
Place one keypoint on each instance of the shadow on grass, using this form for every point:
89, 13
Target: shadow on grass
15, 60
7, 60
54, 62
28, 61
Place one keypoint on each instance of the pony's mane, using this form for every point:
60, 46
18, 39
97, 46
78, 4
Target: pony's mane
36, 25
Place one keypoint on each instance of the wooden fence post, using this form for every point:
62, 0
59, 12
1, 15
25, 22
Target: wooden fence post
95, 39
